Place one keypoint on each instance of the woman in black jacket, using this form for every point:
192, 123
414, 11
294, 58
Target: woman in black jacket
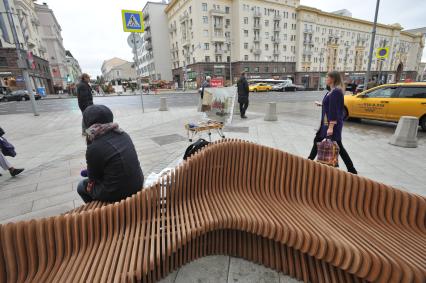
113, 167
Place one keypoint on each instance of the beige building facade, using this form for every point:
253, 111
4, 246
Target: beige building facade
116, 69
329, 41
281, 39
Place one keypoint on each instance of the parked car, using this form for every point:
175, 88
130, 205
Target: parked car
359, 88
388, 103
19, 95
284, 87
260, 87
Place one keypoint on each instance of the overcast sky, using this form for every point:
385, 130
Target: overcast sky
92, 29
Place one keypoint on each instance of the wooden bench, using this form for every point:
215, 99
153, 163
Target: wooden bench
311, 221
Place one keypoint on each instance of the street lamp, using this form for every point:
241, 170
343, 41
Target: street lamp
230, 60
319, 70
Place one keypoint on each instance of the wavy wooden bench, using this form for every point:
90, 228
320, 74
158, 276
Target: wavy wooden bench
298, 217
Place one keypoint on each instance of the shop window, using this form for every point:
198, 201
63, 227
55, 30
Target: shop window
3, 61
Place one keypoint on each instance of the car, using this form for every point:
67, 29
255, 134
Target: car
286, 86
388, 103
260, 87
359, 89
19, 95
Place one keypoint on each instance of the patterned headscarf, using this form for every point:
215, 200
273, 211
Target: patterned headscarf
97, 130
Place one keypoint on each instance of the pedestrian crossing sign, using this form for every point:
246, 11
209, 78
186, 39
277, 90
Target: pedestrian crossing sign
132, 21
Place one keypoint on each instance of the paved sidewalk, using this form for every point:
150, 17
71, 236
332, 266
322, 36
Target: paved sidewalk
52, 150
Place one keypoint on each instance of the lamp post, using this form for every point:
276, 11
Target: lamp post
370, 56
319, 70
230, 60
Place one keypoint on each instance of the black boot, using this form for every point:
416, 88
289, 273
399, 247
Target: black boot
14, 172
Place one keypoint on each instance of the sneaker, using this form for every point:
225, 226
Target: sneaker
244, 117
16, 172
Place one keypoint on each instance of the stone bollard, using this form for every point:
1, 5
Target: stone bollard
406, 132
271, 112
163, 104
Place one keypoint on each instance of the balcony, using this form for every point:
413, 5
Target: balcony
277, 17
184, 18
276, 52
277, 28
308, 42
174, 49
147, 36
219, 52
257, 39
172, 28
257, 26
218, 25
147, 25
307, 52
308, 31
186, 41
257, 14
276, 39
148, 46
256, 51
218, 38
217, 12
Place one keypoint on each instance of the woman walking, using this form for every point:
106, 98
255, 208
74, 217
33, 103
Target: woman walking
332, 118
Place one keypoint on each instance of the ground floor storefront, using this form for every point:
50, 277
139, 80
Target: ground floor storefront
11, 76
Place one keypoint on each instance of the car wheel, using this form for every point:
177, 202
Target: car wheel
345, 114
423, 123
23, 98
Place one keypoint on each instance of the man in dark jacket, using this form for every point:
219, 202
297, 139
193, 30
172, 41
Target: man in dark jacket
243, 94
84, 95
113, 168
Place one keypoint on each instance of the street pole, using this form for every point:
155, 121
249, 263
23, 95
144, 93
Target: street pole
135, 53
319, 71
22, 63
230, 61
370, 56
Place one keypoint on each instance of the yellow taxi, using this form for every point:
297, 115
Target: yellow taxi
260, 87
389, 102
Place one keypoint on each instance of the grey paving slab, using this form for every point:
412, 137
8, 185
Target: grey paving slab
244, 271
211, 269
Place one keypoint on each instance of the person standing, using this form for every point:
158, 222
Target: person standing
84, 96
243, 94
332, 119
206, 84
113, 167
4, 164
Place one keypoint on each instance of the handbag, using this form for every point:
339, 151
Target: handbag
7, 148
328, 152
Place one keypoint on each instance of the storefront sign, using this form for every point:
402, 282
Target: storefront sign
19, 78
219, 67
216, 82
5, 73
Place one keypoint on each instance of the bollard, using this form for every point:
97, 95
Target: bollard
271, 112
406, 132
163, 104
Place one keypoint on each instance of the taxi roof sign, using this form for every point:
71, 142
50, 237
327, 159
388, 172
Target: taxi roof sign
382, 53
132, 21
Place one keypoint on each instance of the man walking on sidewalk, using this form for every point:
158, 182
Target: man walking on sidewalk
84, 96
243, 94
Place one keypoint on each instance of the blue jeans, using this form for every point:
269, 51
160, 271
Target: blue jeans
81, 190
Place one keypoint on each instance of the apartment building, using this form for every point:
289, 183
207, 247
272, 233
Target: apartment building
30, 26
50, 32
154, 54
209, 37
333, 41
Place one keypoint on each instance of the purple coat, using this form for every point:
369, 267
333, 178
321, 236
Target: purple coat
332, 110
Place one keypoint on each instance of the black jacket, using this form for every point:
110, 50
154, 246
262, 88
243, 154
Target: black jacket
84, 95
112, 161
243, 87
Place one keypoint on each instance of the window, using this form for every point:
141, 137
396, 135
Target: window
245, 20
413, 92
228, 22
266, 23
266, 46
245, 33
228, 59
190, 9
246, 69
206, 46
256, 69
285, 25
245, 45
246, 59
266, 69
206, 33
204, 7
207, 58
382, 92
285, 48
227, 10
205, 20
275, 70
3, 61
